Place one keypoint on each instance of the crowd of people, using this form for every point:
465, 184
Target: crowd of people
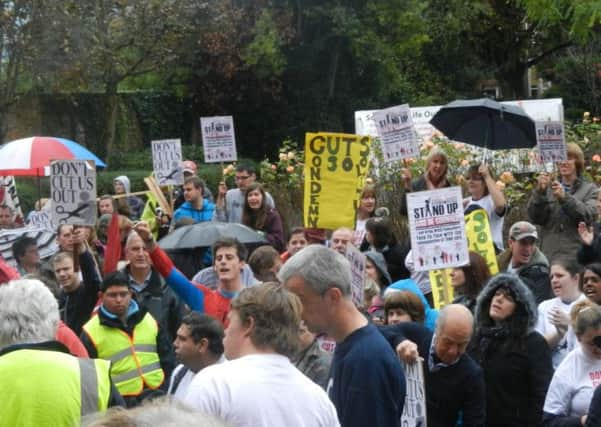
114, 330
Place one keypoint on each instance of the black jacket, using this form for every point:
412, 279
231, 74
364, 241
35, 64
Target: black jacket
164, 347
449, 391
76, 307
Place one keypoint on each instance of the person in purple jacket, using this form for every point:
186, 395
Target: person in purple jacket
257, 215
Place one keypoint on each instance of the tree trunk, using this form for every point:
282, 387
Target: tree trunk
110, 127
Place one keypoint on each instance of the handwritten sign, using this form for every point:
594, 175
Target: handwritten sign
357, 261
437, 229
479, 240
397, 134
218, 139
414, 410
550, 137
167, 161
336, 165
40, 220
73, 192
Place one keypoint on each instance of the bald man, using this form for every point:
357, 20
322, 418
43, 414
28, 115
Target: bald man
340, 238
454, 381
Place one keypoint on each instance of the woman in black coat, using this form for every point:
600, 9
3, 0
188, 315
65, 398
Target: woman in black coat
515, 358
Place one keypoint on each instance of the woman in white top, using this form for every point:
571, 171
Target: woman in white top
366, 209
554, 314
484, 192
576, 378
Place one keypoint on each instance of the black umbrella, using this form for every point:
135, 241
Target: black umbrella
204, 234
486, 123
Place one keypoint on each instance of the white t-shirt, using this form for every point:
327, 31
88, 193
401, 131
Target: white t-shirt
495, 221
182, 388
573, 384
544, 327
261, 390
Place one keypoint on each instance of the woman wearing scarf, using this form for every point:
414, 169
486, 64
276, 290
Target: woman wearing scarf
515, 359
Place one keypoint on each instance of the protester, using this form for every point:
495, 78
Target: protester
106, 205
575, 380
590, 250
484, 193
340, 238
409, 285
41, 383
434, 177
131, 339
403, 306
229, 257
554, 314
190, 169
26, 254
467, 281
526, 260
515, 359
65, 233
591, 282
558, 206
134, 204
265, 263
150, 290
262, 334
454, 383
257, 215
366, 384
230, 203
195, 205
198, 344
297, 240
381, 238
7, 218
311, 359
366, 209
78, 296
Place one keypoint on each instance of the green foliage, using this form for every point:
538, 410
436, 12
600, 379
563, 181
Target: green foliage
264, 53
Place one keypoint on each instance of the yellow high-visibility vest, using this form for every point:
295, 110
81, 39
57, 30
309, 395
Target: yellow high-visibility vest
43, 388
134, 360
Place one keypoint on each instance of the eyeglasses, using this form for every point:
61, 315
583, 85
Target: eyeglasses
242, 177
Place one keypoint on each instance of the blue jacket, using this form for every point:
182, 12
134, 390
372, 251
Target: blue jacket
411, 286
202, 215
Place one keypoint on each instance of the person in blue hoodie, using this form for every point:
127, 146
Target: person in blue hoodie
411, 286
196, 206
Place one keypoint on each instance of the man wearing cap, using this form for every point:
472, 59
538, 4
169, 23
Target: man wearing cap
190, 169
526, 260
195, 206
130, 338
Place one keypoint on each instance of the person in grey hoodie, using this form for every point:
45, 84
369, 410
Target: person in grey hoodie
122, 185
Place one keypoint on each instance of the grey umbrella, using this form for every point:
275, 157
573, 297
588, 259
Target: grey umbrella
486, 123
205, 234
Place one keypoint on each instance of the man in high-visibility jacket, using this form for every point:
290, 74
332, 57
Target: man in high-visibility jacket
130, 338
42, 384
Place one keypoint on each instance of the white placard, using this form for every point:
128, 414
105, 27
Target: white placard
357, 261
218, 139
437, 229
397, 134
167, 161
414, 410
73, 192
550, 137
40, 220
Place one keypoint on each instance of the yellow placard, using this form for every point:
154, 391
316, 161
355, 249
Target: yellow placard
335, 169
479, 239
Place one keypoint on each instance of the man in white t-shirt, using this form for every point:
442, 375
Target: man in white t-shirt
259, 386
198, 344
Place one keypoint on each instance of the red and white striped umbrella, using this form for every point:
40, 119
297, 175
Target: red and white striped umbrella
32, 156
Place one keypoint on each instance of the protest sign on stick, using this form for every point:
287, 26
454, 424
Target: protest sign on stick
336, 166
218, 139
73, 192
397, 133
437, 229
414, 410
167, 162
357, 260
550, 137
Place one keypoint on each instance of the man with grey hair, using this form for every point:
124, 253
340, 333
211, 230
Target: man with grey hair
366, 384
34, 368
340, 238
446, 366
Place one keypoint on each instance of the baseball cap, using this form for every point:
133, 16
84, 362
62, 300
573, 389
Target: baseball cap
190, 167
521, 230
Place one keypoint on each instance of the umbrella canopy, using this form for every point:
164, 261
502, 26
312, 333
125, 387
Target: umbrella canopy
32, 156
206, 233
486, 123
